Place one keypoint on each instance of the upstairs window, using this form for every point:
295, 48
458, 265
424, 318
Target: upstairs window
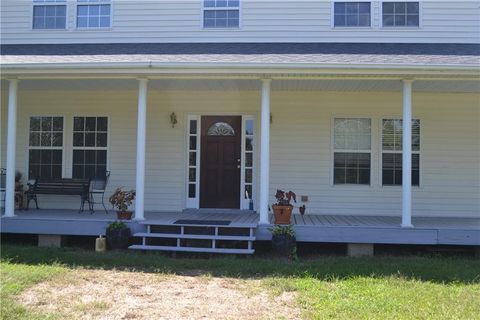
351, 14
221, 13
93, 14
49, 14
401, 14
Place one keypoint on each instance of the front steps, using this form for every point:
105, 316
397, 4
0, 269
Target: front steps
224, 239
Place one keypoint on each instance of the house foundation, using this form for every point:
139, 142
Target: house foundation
50, 240
360, 249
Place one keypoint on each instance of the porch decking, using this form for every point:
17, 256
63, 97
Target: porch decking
384, 229
309, 228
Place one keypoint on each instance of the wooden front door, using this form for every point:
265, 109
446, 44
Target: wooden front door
220, 162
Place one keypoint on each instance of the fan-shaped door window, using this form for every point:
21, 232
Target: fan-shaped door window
221, 129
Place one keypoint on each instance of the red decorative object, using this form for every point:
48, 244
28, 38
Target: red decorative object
124, 215
282, 210
302, 210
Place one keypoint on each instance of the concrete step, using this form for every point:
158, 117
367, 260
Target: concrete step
191, 249
193, 236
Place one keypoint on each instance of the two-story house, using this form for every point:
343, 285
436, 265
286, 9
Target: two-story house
368, 110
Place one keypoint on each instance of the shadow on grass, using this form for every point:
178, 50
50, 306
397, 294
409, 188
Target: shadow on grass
434, 269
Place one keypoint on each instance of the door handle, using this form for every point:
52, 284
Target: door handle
239, 166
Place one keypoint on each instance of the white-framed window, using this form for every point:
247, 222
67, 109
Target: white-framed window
94, 14
49, 14
248, 160
400, 13
351, 14
221, 14
352, 151
90, 147
193, 162
45, 154
392, 130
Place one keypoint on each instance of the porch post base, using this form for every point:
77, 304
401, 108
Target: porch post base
50, 240
2, 213
360, 249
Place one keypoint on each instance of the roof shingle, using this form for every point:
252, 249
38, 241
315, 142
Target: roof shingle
238, 53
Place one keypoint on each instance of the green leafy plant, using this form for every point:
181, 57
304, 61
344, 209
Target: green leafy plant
122, 199
278, 230
18, 176
117, 225
284, 241
284, 198
294, 256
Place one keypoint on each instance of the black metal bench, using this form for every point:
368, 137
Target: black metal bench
71, 187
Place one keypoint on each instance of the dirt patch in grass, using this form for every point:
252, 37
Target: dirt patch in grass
101, 294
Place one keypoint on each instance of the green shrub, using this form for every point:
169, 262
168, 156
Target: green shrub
117, 225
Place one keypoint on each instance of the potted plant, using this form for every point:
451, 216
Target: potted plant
118, 235
282, 210
18, 181
122, 200
18, 190
284, 241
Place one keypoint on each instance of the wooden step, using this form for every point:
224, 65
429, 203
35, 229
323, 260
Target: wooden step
191, 249
193, 236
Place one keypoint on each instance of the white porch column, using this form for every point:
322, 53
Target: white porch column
407, 155
265, 151
11, 142
141, 141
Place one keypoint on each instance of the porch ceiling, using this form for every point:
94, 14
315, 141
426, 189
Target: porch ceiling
461, 86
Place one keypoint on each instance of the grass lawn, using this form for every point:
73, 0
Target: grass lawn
322, 288
17, 277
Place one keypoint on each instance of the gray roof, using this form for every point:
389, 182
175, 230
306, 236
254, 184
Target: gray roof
246, 53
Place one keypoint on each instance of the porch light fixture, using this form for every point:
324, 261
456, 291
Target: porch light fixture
271, 118
173, 119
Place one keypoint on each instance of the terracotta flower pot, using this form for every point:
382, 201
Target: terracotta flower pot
124, 215
282, 214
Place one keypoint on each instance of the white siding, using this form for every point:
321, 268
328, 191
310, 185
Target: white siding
300, 144
261, 21
450, 152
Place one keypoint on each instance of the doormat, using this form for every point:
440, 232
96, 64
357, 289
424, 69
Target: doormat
203, 222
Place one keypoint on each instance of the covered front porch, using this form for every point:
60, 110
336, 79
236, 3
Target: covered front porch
291, 138
373, 139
